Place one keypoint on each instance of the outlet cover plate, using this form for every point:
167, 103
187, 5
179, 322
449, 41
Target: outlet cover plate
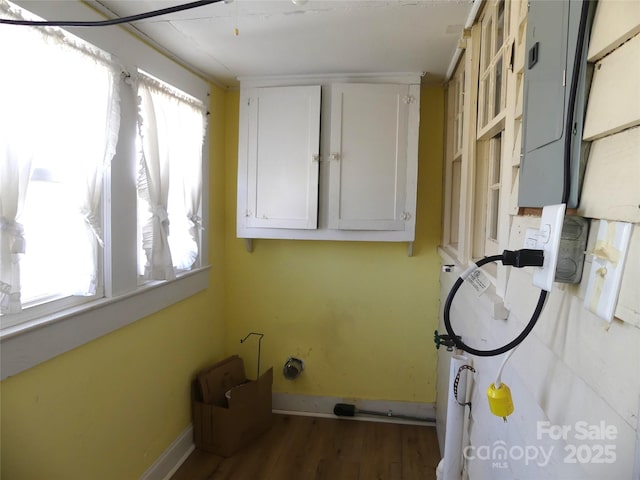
548, 239
605, 276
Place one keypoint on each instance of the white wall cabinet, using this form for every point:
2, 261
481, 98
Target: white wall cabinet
328, 159
368, 157
282, 158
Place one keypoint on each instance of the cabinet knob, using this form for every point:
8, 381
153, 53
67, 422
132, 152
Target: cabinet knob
315, 157
335, 156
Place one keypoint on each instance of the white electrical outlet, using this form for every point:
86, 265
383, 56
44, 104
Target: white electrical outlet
547, 238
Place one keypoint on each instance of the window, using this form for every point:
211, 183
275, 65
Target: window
486, 209
492, 65
494, 53
169, 181
492, 95
54, 152
454, 153
69, 185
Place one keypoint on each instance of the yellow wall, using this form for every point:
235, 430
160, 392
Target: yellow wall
108, 409
360, 315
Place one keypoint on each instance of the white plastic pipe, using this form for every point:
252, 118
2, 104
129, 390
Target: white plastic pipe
452, 462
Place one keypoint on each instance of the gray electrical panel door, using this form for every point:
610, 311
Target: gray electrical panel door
546, 63
552, 33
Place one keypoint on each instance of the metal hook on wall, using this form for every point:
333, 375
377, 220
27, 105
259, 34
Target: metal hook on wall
259, 347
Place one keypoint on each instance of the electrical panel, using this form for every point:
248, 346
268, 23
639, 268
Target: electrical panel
551, 46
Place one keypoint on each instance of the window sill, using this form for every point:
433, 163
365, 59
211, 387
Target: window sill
28, 344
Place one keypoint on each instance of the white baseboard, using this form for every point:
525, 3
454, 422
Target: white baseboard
175, 455
319, 406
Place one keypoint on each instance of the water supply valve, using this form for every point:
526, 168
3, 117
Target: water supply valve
445, 340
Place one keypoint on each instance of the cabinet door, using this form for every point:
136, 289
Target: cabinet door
368, 156
282, 163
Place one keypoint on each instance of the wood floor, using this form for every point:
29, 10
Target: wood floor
310, 448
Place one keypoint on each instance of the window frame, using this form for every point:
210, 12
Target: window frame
469, 61
48, 176
477, 140
489, 212
488, 215
492, 54
454, 150
36, 340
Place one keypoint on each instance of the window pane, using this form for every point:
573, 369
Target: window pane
456, 96
57, 248
496, 148
493, 214
480, 199
455, 202
487, 44
458, 133
497, 99
495, 157
486, 104
460, 114
452, 93
500, 26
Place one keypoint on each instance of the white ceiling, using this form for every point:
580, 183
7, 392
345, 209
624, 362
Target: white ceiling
277, 37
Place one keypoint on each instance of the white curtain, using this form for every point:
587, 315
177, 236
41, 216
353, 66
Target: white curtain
170, 180
193, 125
153, 186
15, 169
58, 133
92, 164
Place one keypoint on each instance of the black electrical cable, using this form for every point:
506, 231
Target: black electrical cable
573, 92
110, 22
496, 351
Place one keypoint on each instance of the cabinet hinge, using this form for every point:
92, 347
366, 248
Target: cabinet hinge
248, 101
408, 99
247, 213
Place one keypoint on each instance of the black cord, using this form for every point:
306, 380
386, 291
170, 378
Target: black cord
496, 351
573, 92
110, 22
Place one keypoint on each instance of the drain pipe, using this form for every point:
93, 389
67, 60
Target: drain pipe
450, 467
475, 8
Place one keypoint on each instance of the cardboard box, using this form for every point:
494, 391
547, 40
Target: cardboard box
230, 411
